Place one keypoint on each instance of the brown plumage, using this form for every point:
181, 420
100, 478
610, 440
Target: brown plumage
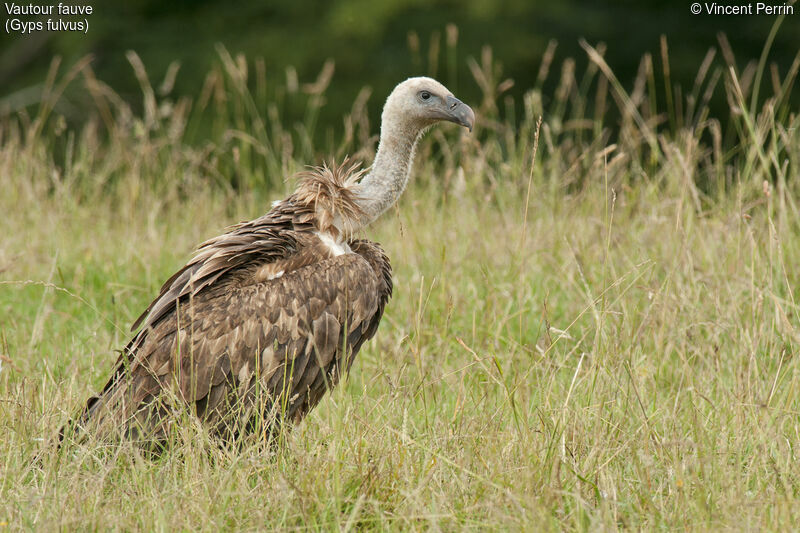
264, 316
267, 317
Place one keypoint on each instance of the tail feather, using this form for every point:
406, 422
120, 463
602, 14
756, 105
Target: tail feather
77, 424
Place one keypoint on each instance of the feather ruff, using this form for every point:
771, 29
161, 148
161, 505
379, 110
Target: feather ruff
328, 189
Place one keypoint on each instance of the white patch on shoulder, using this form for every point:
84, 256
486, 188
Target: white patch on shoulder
336, 247
276, 275
276, 203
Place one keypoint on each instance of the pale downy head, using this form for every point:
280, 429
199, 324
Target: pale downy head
421, 102
413, 106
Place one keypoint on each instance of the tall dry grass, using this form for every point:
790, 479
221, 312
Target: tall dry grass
605, 339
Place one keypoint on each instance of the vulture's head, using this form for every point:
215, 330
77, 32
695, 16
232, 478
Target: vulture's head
421, 102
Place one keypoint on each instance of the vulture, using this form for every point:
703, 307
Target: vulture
264, 319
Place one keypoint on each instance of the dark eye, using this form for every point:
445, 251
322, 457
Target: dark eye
425, 95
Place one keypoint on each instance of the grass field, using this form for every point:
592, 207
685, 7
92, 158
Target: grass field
605, 339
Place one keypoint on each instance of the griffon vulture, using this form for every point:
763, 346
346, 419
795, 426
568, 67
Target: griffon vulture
265, 318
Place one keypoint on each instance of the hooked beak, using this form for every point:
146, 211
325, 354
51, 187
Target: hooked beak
459, 112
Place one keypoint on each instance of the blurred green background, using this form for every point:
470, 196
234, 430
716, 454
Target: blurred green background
377, 43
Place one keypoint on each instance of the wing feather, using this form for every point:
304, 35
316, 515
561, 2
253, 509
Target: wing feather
288, 335
264, 240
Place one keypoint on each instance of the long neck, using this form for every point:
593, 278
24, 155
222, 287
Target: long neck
386, 181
